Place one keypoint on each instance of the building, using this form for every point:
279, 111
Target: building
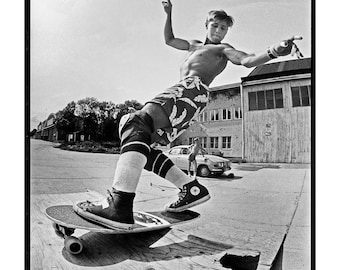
277, 112
265, 118
47, 130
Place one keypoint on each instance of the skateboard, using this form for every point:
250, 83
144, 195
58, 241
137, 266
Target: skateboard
65, 221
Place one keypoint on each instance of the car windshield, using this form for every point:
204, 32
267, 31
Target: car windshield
185, 151
175, 151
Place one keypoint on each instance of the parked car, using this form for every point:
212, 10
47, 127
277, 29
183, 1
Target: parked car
207, 165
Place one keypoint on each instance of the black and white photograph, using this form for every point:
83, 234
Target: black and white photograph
169, 134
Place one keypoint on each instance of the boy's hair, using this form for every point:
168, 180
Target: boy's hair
220, 15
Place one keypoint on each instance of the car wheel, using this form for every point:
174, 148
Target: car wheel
203, 171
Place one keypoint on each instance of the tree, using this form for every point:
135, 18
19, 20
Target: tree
66, 121
100, 120
88, 111
128, 107
120, 110
108, 125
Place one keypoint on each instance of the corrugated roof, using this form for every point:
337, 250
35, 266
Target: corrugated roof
225, 87
278, 69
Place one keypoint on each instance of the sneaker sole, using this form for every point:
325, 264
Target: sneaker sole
102, 221
186, 207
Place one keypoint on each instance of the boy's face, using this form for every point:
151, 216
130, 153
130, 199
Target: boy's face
216, 30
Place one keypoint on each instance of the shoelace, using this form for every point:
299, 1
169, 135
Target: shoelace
181, 195
110, 196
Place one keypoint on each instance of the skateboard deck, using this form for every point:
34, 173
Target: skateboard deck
66, 221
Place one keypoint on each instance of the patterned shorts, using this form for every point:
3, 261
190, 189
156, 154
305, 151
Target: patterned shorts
192, 157
182, 103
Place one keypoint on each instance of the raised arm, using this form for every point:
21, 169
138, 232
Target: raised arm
169, 37
283, 48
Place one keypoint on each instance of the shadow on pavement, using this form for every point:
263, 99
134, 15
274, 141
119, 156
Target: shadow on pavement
252, 167
106, 249
228, 178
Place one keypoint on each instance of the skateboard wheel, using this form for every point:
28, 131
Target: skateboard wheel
73, 245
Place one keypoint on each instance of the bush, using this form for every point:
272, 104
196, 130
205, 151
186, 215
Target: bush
110, 144
91, 147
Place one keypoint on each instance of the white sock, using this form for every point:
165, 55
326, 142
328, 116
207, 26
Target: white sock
176, 176
128, 171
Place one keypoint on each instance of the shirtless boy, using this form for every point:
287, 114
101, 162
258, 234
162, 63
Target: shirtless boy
194, 149
167, 116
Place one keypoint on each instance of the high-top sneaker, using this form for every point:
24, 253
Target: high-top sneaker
116, 211
190, 195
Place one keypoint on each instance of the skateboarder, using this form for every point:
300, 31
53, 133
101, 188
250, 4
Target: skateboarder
194, 149
168, 115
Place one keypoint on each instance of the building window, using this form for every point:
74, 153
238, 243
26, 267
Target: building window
301, 95
203, 116
278, 98
226, 114
238, 113
213, 142
261, 100
202, 139
214, 115
265, 100
270, 99
252, 101
217, 116
226, 142
204, 142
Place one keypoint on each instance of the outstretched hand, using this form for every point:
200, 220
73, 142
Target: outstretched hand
286, 47
167, 6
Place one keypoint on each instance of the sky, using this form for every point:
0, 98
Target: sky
114, 50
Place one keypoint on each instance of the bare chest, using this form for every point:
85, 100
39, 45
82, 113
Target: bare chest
206, 53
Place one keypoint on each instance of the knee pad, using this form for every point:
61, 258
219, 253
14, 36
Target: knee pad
135, 132
158, 163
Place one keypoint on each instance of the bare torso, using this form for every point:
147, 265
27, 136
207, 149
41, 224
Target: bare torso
204, 61
194, 150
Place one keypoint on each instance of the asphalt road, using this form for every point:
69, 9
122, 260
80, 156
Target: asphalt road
56, 171
252, 210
